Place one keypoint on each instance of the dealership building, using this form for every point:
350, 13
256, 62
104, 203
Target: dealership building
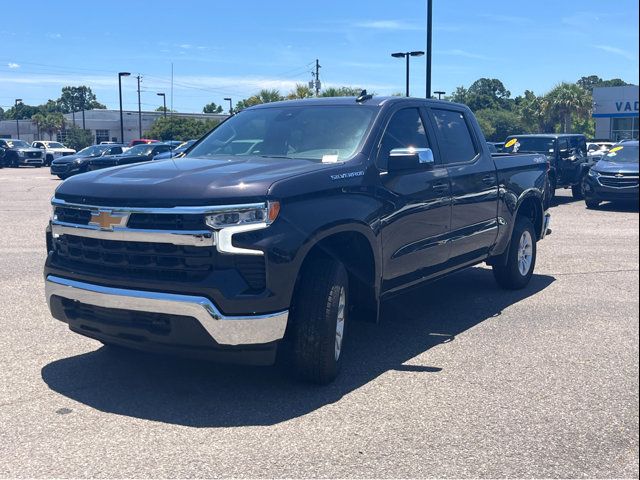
615, 110
104, 125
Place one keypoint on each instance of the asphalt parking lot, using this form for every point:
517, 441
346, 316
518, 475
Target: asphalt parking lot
461, 379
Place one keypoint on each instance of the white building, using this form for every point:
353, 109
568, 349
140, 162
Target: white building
103, 124
615, 110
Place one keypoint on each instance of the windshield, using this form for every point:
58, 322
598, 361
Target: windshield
18, 144
93, 151
530, 144
138, 150
622, 154
318, 133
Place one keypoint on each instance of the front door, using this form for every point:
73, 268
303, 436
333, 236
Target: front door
417, 209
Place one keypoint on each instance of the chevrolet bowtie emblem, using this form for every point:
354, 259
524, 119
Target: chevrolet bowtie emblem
619, 175
106, 220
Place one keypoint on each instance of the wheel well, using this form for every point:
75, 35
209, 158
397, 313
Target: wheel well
532, 209
354, 251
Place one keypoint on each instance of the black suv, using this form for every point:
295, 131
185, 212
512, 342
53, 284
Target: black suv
567, 154
14, 153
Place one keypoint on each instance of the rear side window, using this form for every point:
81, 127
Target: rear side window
115, 151
454, 136
579, 143
405, 129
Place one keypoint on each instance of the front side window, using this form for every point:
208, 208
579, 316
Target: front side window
316, 133
404, 130
454, 136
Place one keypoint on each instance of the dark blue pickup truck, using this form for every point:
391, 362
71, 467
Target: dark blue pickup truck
284, 224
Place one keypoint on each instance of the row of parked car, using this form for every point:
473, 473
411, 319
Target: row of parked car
594, 171
65, 162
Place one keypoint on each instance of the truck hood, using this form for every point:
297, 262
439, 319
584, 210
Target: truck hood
182, 181
613, 167
71, 158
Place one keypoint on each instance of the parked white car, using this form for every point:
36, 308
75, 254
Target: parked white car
52, 150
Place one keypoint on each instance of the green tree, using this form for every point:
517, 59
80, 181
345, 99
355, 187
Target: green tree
78, 98
593, 81
1, 113
77, 138
532, 111
342, 92
53, 123
488, 93
300, 91
263, 96
567, 100
180, 128
39, 120
210, 108
498, 124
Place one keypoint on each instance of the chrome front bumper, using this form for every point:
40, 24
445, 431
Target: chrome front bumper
225, 330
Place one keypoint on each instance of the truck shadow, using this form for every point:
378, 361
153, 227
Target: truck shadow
197, 394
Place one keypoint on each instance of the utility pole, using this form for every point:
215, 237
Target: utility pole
139, 110
429, 44
317, 78
84, 105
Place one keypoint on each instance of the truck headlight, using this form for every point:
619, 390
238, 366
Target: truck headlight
593, 173
244, 215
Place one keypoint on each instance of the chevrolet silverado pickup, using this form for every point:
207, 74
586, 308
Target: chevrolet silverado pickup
284, 224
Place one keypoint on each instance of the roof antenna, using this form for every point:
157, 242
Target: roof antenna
363, 97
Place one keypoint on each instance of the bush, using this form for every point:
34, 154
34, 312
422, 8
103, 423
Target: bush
78, 138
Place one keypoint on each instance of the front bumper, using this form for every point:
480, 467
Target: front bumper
65, 168
224, 330
595, 190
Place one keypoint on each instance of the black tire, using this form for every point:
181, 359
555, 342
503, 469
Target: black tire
578, 190
553, 185
592, 203
48, 160
315, 355
510, 275
63, 177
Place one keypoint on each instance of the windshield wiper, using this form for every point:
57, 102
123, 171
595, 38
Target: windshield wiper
276, 156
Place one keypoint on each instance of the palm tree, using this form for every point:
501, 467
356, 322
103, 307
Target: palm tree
53, 123
566, 100
38, 119
268, 96
300, 91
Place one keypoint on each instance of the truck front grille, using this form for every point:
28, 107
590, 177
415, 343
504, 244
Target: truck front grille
155, 261
142, 221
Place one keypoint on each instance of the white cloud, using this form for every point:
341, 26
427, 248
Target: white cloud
388, 25
54, 36
13, 66
617, 51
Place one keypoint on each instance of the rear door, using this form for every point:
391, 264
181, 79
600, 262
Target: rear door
417, 210
474, 184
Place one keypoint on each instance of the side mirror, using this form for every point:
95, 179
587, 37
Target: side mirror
410, 158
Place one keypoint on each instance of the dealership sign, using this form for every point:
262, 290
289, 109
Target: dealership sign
615, 102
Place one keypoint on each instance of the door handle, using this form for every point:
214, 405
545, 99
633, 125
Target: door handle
440, 186
489, 179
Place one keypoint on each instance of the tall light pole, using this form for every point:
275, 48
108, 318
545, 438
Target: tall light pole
407, 55
15, 111
228, 99
139, 110
120, 75
164, 103
429, 44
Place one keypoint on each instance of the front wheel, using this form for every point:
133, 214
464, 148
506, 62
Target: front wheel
592, 203
521, 257
319, 317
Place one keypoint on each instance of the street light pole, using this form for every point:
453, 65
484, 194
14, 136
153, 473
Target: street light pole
429, 44
164, 103
15, 111
228, 99
120, 75
406, 55
139, 110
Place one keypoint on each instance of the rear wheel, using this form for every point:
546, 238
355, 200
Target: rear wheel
553, 185
319, 317
521, 257
578, 190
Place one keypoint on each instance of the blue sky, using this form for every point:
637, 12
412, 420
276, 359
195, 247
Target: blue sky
221, 48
